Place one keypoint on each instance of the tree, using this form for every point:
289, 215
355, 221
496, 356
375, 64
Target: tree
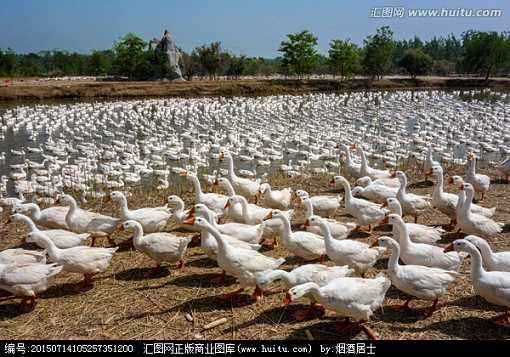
378, 52
416, 62
299, 53
129, 56
485, 52
209, 57
344, 57
99, 62
235, 66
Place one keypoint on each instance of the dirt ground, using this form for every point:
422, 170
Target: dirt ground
123, 304
31, 89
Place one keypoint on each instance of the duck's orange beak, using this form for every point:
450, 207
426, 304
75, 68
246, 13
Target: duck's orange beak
189, 221
461, 188
120, 227
268, 216
288, 299
450, 181
307, 223
384, 204
393, 174
448, 248
222, 156
216, 182
191, 213
385, 220
375, 244
332, 183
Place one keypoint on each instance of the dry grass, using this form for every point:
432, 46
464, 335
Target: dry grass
123, 304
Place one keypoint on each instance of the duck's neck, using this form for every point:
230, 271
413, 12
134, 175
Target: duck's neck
308, 208
466, 207
34, 210
403, 234
137, 234
476, 263
394, 256
326, 232
283, 275
197, 188
73, 208
124, 208
222, 244
364, 163
348, 193
244, 209
230, 189
460, 201
403, 184
486, 253
396, 209
438, 189
53, 250
30, 224
285, 228
348, 157
471, 167
231, 172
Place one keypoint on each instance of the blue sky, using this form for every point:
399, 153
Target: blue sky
251, 27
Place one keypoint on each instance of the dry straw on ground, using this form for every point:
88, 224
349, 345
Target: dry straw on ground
124, 304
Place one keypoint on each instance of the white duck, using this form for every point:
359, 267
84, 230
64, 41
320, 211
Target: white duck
472, 223
493, 286
323, 205
418, 281
492, 261
367, 181
375, 192
358, 255
62, 238
458, 181
244, 264
152, 219
52, 217
355, 298
245, 232
443, 201
27, 280
243, 186
20, 256
481, 183
365, 212
305, 245
366, 170
418, 233
277, 199
411, 204
429, 162
82, 221
207, 241
88, 261
352, 169
179, 214
338, 230
161, 246
214, 201
420, 253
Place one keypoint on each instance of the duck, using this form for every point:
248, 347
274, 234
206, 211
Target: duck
214, 201
20, 256
352, 169
161, 247
429, 162
421, 253
492, 261
323, 205
244, 264
481, 183
365, 212
357, 255
411, 204
472, 223
27, 280
305, 245
493, 286
81, 221
152, 219
350, 297
51, 217
179, 213
276, 199
367, 181
243, 186
62, 238
418, 233
375, 192
207, 242
445, 202
366, 170
458, 181
85, 260
418, 281
253, 234
338, 230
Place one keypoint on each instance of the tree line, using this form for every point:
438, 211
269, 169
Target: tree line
474, 52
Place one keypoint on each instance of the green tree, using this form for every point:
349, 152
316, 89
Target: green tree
99, 62
299, 53
378, 52
416, 62
209, 57
7, 62
344, 57
485, 52
130, 59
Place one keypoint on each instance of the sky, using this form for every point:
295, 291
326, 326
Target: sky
250, 27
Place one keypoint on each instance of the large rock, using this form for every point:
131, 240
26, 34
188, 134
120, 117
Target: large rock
167, 45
